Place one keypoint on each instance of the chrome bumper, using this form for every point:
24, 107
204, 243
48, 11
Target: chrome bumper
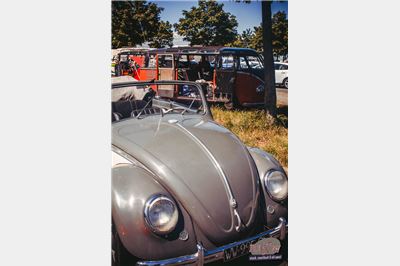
203, 256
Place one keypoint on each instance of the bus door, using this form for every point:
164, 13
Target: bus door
165, 71
225, 75
249, 83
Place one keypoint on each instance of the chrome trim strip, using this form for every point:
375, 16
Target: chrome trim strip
232, 200
204, 256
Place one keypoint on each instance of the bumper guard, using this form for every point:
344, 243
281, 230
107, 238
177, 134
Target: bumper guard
203, 256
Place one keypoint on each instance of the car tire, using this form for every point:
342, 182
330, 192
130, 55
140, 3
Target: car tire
286, 83
232, 104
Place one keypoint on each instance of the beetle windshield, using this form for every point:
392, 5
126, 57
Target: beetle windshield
139, 101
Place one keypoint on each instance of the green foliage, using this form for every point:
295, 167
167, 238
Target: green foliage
135, 22
279, 35
243, 40
164, 36
207, 24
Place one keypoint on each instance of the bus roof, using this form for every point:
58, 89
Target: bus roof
209, 50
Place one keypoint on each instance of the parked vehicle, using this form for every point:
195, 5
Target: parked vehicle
185, 189
233, 76
282, 74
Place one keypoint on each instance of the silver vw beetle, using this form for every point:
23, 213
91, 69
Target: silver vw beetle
186, 190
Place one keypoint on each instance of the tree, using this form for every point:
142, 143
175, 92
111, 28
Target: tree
207, 24
269, 69
279, 35
243, 40
256, 41
164, 36
135, 22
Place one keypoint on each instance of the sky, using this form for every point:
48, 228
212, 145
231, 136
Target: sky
247, 15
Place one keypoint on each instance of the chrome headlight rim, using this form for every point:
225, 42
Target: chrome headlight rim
267, 176
149, 203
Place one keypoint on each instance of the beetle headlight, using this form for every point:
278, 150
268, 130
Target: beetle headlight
276, 184
161, 214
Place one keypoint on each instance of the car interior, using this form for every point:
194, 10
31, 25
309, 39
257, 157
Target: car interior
130, 108
198, 67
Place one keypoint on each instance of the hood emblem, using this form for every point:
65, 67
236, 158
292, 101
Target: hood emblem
232, 200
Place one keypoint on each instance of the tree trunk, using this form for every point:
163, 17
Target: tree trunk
269, 69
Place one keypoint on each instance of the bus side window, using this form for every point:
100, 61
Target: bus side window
165, 61
243, 63
151, 61
226, 62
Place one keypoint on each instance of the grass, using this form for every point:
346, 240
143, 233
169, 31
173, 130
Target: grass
254, 129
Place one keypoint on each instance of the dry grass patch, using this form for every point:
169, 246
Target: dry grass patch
253, 128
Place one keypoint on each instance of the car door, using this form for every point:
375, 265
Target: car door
284, 71
225, 74
278, 73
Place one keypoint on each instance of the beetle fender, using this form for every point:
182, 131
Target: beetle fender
266, 162
132, 186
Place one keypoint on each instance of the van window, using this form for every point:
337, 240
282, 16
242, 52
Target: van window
165, 61
226, 62
243, 63
255, 62
150, 61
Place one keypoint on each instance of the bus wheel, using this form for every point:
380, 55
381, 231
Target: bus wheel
231, 104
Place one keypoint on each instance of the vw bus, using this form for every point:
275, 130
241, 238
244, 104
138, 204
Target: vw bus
233, 76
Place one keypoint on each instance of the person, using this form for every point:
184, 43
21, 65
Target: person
133, 68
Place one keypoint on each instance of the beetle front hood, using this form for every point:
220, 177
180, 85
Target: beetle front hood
201, 164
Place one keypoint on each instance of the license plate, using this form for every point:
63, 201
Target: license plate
237, 251
261, 249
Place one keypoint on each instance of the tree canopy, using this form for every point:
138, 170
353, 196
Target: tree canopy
164, 36
207, 24
254, 38
243, 40
136, 22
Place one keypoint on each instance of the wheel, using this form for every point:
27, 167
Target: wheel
286, 83
228, 105
232, 104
